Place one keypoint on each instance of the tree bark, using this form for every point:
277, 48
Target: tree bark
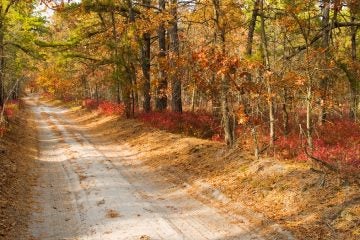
161, 95
176, 102
145, 64
2, 63
228, 121
285, 112
252, 25
266, 58
324, 81
308, 117
354, 83
115, 59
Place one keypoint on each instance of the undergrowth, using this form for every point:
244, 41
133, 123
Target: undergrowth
336, 142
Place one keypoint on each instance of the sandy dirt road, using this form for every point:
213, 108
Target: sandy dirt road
93, 189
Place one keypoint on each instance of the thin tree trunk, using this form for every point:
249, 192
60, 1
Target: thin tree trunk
161, 95
128, 86
308, 118
134, 92
324, 82
97, 92
2, 65
227, 120
115, 59
266, 58
193, 95
354, 84
252, 25
285, 113
145, 64
176, 102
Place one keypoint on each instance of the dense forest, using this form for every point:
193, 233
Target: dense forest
179, 119
281, 77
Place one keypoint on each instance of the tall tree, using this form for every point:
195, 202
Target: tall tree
228, 120
324, 82
145, 64
267, 75
19, 29
161, 90
251, 30
176, 101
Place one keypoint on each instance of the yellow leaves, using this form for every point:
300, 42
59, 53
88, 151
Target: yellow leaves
268, 73
242, 117
213, 59
295, 78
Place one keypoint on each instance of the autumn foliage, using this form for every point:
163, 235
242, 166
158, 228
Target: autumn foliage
11, 108
104, 107
201, 125
336, 142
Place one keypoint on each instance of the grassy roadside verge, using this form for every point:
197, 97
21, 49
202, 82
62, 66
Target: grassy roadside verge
309, 204
17, 162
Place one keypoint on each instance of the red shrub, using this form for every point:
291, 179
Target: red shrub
2, 131
9, 112
110, 108
105, 107
194, 124
13, 102
67, 98
337, 143
90, 104
47, 95
11, 107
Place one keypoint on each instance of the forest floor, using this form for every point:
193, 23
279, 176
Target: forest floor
18, 158
93, 185
119, 179
267, 192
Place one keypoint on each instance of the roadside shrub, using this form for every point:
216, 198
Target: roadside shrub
339, 141
336, 142
110, 108
105, 107
201, 125
11, 107
47, 95
90, 104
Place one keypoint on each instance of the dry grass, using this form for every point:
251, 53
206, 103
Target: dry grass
17, 176
112, 213
286, 192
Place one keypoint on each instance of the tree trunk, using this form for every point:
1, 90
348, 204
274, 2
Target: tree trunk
227, 120
252, 25
85, 87
115, 59
324, 81
285, 113
193, 95
354, 83
128, 86
215, 105
2, 65
97, 97
308, 118
176, 102
266, 58
146, 72
145, 64
161, 95
354, 86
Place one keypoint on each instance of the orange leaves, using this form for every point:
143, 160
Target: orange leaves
242, 117
294, 78
213, 59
